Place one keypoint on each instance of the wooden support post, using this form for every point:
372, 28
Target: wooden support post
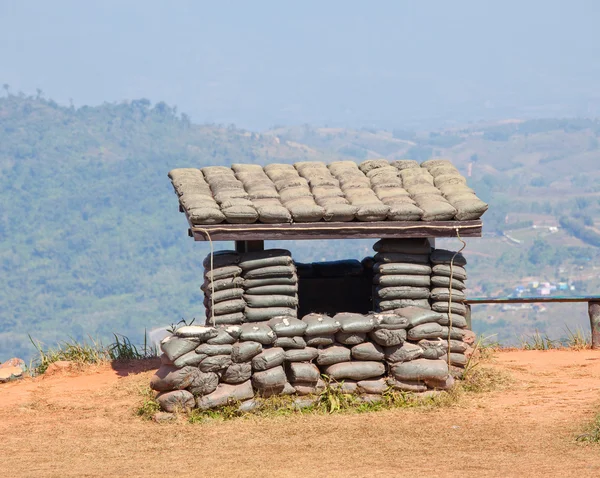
468, 316
249, 246
594, 311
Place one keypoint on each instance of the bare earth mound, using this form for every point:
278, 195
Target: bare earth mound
84, 425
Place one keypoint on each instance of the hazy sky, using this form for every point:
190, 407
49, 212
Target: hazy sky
259, 63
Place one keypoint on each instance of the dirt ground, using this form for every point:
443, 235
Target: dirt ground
84, 425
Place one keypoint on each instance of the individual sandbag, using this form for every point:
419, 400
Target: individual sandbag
441, 281
306, 213
269, 272
402, 280
245, 351
290, 342
273, 214
442, 294
224, 295
362, 370
456, 359
209, 349
372, 164
371, 212
458, 272
269, 382
261, 333
216, 363
237, 373
287, 326
266, 258
175, 347
403, 211
436, 210
420, 369
319, 340
320, 324
399, 257
406, 385
354, 323
454, 307
410, 246
240, 214
345, 386
308, 389
177, 400
469, 209
227, 319
417, 315
262, 314
458, 321
223, 337
225, 393
372, 386
223, 273
204, 383
402, 292
222, 284
443, 256
169, 377
228, 307
443, 384
301, 355
268, 358
164, 360
458, 334
401, 269
191, 358
258, 301
350, 338
197, 332
385, 305
403, 353
205, 215
430, 330
307, 373
388, 338
458, 346
339, 212
401, 164
367, 351
433, 348
333, 354
250, 284
290, 290
389, 320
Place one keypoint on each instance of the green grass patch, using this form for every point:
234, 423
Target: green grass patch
148, 405
592, 435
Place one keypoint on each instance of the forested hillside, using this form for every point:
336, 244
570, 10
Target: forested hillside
91, 242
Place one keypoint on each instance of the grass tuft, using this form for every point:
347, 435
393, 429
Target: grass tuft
537, 341
148, 406
577, 339
593, 434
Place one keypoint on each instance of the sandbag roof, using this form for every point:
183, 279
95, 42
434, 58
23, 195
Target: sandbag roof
342, 191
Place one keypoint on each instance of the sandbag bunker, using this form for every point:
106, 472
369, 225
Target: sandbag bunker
253, 343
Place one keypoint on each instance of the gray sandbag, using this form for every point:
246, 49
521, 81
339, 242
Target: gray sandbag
263, 314
345, 386
401, 210
388, 338
301, 355
403, 353
320, 324
333, 354
221, 284
268, 358
376, 387
175, 347
458, 334
177, 400
221, 259
273, 214
436, 210
261, 333
288, 389
385, 305
469, 209
291, 290
401, 280
244, 351
458, 321
443, 256
205, 215
429, 330
249, 406
351, 338
367, 351
444, 384
287, 326
433, 348
169, 377
240, 214
458, 272
458, 360
227, 319
223, 295
454, 307
399, 257
389, 320
395, 268
254, 262
223, 337
216, 363
164, 360
290, 342
228, 307
190, 358
417, 315
354, 323
223, 273
362, 370
257, 301
342, 268
269, 382
306, 212
402, 292
308, 389
225, 393
198, 332
208, 349
252, 283
204, 383
371, 212
410, 246
458, 346
269, 272
442, 294
420, 370
339, 212
407, 385
307, 373
320, 340
237, 373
